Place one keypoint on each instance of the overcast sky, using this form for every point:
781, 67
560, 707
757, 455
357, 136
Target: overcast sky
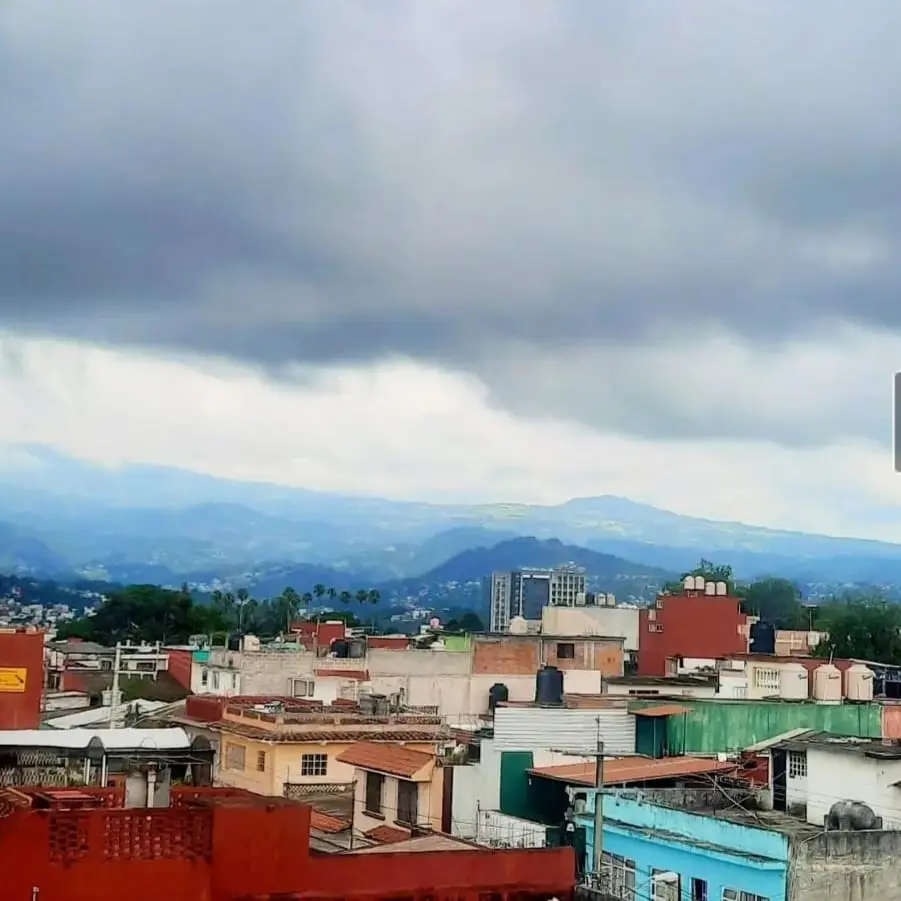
502, 251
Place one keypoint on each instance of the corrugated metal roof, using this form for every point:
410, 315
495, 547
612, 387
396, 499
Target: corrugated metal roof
776, 739
634, 769
436, 841
384, 757
538, 728
112, 739
661, 710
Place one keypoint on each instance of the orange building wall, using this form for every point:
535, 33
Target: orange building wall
522, 655
21, 678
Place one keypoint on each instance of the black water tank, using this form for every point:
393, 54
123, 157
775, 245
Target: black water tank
497, 694
234, 642
549, 686
356, 648
763, 638
339, 647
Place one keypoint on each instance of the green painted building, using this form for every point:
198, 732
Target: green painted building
708, 727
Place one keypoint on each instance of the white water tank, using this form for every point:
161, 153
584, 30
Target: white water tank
793, 682
689, 583
699, 583
722, 588
859, 683
518, 626
710, 588
827, 684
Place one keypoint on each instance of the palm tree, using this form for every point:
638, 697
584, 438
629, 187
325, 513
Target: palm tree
361, 596
318, 591
332, 593
242, 600
289, 604
346, 597
373, 596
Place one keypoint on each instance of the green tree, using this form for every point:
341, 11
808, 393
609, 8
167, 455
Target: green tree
777, 601
318, 591
346, 597
471, 622
362, 596
711, 572
373, 596
866, 630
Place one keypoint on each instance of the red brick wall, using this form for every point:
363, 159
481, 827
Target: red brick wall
602, 656
513, 656
20, 692
690, 626
181, 665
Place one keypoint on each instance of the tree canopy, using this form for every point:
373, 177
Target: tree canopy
149, 613
861, 629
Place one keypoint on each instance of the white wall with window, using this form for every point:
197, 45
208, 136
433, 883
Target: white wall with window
796, 779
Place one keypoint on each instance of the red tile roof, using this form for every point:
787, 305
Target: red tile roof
326, 823
383, 757
387, 835
299, 736
634, 769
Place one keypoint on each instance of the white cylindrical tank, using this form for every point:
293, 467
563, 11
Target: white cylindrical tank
689, 583
611, 600
699, 583
827, 684
859, 683
793, 682
710, 588
518, 626
722, 588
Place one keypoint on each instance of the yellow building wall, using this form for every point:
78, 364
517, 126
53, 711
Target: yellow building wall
429, 802
281, 763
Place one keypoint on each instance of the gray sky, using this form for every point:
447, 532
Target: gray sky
675, 224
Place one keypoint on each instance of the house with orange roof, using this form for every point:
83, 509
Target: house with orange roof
400, 790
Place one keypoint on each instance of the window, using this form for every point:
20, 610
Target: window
566, 650
618, 877
375, 783
652, 615
733, 894
766, 678
235, 756
234, 681
664, 890
698, 890
215, 681
655, 627
797, 764
313, 764
261, 761
407, 802
204, 676
302, 688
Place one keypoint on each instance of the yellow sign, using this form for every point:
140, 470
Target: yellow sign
13, 678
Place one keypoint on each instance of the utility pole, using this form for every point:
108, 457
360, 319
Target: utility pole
599, 810
598, 798
114, 695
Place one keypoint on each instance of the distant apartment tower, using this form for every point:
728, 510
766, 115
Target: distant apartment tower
524, 592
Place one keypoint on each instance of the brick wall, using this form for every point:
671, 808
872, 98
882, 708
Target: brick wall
514, 655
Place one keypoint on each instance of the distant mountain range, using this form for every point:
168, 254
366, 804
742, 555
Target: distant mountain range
63, 517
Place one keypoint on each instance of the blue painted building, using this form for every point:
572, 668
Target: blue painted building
656, 853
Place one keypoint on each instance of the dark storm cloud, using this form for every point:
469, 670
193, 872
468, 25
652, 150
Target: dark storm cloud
320, 181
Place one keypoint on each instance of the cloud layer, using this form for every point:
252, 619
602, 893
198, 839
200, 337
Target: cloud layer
674, 222
405, 430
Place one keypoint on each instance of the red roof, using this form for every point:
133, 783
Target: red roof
384, 757
387, 835
326, 823
634, 769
